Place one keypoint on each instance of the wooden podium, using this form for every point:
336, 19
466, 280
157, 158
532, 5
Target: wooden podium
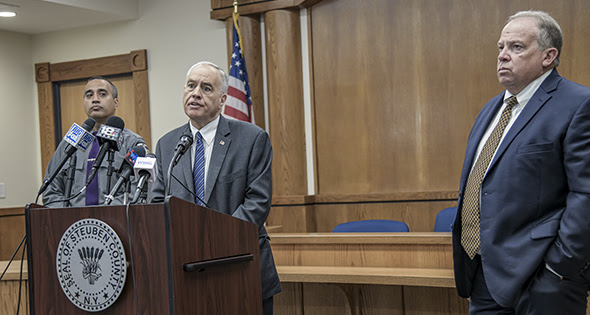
186, 259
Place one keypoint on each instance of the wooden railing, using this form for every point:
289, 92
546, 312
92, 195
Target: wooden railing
369, 273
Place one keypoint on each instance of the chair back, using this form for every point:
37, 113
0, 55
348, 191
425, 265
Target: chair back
445, 219
372, 226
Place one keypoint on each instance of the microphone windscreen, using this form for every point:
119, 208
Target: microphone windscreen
88, 124
110, 132
186, 140
116, 122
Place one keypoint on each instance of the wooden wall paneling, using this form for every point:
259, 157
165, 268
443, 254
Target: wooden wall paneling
12, 230
418, 215
293, 218
46, 123
285, 97
325, 299
428, 300
422, 251
374, 299
575, 25
397, 250
421, 71
9, 295
388, 70
290, 300
321, 213
252, 51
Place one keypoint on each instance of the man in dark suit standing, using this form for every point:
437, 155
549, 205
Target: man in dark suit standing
229, 165
521, 239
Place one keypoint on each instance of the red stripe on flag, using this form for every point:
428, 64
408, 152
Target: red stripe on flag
237, 114
237, 94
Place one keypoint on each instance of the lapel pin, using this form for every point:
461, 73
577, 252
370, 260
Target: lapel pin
221, 142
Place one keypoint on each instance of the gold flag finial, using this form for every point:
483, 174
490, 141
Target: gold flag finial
236, 6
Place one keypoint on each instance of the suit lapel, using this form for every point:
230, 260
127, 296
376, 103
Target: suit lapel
539, 99
477, 133
220, 147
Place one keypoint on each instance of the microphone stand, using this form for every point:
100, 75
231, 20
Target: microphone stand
143, 194
127, 191
110, 159
70, 180
168, 179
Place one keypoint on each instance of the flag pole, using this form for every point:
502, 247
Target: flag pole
236, 15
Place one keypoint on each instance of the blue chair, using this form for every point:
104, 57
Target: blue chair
372, 226
445, 219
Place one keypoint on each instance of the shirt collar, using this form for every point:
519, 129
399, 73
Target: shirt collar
207, 132
527, 93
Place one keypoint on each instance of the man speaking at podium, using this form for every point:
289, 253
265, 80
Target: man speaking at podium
228, 168
100, 103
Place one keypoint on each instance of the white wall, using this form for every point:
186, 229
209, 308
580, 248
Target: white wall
176, 34
20, 156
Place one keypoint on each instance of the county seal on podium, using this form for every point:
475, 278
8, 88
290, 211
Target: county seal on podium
91, 265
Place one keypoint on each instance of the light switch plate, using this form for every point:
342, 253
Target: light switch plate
2, 191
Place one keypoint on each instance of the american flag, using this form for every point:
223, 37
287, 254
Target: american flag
239, 103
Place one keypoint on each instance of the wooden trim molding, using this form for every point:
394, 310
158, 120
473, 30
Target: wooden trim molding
16, 211
81, 69
223, 12
365, 198
428, 238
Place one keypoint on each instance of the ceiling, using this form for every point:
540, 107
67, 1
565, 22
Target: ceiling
41, 16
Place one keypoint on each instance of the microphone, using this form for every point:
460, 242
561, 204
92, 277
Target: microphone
109, 138
126, 170
185, 142
146, 170
77, 138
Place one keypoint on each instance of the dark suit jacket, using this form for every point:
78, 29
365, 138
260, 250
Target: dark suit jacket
239, 181
535, 198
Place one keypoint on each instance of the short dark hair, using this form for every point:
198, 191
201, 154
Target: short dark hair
115, 92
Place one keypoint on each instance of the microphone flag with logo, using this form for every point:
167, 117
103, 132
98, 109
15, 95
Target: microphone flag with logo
109, 137
126, 170
77, 138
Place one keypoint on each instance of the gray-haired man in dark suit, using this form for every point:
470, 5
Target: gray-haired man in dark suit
237, 163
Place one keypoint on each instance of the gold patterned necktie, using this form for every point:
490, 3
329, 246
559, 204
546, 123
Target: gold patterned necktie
470, 215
